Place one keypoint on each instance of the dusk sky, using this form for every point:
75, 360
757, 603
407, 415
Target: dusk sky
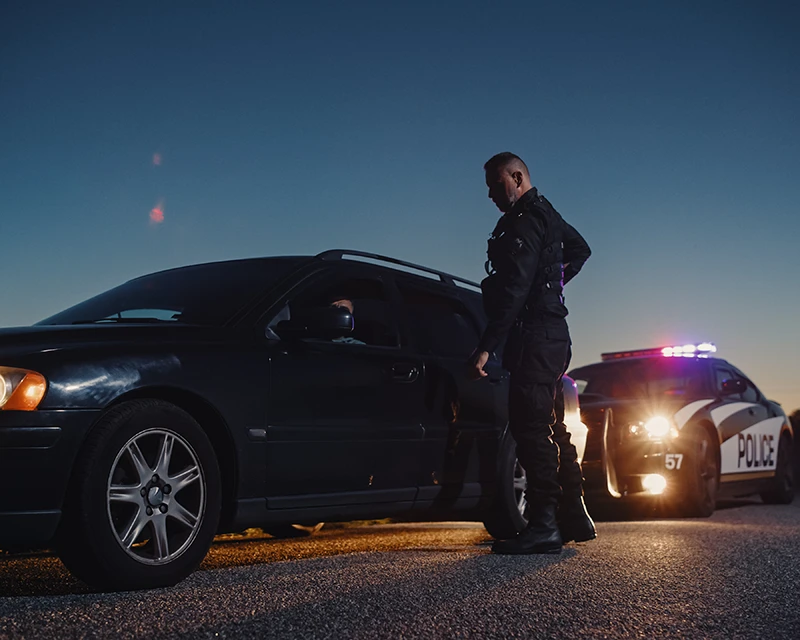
140, 136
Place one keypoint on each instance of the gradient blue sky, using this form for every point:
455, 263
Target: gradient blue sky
667, 132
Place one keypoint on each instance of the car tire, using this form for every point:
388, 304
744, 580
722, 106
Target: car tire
283, 531
781, 490
143, 505
506, 516
703, 481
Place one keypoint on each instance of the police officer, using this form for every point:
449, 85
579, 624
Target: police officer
532, 253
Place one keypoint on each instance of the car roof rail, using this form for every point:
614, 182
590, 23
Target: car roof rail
447, 278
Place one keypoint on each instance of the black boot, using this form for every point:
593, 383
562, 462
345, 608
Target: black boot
574, 521
540, 536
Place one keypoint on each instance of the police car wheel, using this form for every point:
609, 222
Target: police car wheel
506, 516
781, 490
701, 490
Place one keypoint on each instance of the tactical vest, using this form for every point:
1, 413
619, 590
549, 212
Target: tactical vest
546, 290
550, 270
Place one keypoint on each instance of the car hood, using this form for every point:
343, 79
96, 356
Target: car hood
48, 337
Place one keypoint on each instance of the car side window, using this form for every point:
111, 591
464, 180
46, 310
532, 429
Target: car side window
365, 297
722, 375
751, 394
440, 324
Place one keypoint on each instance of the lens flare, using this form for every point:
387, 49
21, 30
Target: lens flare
157, 213
657, 427
654, 484
157, 159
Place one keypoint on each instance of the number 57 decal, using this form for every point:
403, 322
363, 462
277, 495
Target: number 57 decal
674, 460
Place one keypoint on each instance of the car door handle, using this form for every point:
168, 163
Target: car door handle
404, 372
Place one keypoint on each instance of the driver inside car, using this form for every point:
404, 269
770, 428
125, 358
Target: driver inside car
345, 303
335, 300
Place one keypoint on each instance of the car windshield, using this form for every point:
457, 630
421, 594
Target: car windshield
644, 378
208, 294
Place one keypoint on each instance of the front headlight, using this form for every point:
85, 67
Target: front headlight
656, 428
21, 389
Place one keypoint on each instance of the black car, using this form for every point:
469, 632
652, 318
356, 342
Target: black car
265, 392
677, 427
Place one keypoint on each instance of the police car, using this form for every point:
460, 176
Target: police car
681, 427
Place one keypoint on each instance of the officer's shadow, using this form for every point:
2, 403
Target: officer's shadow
440, 584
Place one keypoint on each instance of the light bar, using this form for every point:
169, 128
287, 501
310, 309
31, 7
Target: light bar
680, 351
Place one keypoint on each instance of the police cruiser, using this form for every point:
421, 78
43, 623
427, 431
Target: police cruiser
681, 427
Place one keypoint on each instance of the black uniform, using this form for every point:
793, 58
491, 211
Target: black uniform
533, 253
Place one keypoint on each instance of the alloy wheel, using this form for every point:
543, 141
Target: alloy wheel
156, 496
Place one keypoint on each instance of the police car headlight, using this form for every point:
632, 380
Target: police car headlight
20, 389
654, 484
658, 427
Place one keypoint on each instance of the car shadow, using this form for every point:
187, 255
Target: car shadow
38, 573
41, 573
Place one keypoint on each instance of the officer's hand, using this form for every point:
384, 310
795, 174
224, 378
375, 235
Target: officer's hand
477, 362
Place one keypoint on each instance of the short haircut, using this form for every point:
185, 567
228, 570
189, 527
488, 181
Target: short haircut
506, 160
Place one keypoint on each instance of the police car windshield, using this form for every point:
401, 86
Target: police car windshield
640, 378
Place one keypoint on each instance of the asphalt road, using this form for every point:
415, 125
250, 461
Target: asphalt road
734, 575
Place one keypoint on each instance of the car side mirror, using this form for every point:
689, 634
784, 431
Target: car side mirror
324, 323
733, 385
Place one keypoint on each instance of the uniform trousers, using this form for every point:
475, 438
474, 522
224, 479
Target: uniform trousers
537, 357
